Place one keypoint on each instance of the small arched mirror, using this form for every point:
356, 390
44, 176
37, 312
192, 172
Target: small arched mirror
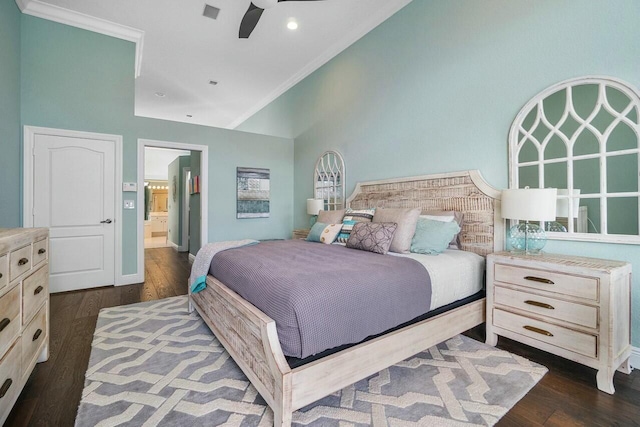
328, 180
582, 137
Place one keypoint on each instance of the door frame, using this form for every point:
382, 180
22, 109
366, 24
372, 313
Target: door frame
204, 190
184, 243
29, 137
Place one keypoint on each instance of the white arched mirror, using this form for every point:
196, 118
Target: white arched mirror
582, 137
328, 180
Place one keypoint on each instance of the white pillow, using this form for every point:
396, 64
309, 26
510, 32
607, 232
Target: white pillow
441, 218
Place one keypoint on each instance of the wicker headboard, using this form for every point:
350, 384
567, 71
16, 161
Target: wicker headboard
466, 191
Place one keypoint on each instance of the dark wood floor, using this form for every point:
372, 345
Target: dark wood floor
566, 396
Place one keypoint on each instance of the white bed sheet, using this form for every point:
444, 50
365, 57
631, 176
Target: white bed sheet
455, 274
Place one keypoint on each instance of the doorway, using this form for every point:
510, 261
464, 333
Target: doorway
173, 214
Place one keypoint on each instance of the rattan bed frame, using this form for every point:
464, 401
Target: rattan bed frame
250, 336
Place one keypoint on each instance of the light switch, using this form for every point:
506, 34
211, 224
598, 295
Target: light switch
129, 204
130, 187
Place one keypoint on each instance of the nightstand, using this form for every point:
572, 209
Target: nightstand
300, 234
575, 307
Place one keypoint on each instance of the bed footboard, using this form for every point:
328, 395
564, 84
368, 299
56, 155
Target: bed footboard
251, 339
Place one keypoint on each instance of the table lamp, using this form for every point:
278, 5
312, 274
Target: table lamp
313, 207
528, 204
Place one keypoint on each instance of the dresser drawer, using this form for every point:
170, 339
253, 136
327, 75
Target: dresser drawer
577, 286
9, 318
34, 335
10, 381
35, 292
4, 272
19, 262
574, 341
579, 314
40, 252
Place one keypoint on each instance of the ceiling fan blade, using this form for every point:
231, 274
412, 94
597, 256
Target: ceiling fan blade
250, 20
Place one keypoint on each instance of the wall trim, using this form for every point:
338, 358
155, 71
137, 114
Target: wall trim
192, 257
635, 357
378, 17
131, 279
70, 17
184, 244
30, 133
204, 190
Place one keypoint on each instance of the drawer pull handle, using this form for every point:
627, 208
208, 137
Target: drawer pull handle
4, 323
42, 251
538, 330
5, 387
37, 334
38, 290
539, 279
23, 261
540, 304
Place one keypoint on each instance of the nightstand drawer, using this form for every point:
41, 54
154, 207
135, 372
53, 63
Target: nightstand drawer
582, 287
558, 336
40, 251
9, 319
33, 337
34, 293
9, 380
579, 314
20, 262
4, 272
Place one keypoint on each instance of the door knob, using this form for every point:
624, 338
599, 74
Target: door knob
106, 221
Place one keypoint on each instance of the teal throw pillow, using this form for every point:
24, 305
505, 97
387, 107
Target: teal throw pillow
324, 233
433, 237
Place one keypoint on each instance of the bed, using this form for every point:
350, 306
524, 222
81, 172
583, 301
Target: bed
251, 337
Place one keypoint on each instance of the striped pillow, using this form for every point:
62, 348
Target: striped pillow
351, 217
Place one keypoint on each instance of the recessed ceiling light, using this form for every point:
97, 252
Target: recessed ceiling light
292, 24
160, 95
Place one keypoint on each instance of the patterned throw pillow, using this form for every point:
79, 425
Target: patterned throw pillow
372, 236
351, 218
324, 233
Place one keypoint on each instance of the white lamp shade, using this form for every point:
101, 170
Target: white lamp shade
314, 206
562, 205
529, 204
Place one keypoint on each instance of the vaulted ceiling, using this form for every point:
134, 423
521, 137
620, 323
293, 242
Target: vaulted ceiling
180, 52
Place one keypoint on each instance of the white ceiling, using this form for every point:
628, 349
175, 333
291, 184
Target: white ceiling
183, 50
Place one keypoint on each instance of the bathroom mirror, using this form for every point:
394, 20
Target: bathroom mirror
581, 136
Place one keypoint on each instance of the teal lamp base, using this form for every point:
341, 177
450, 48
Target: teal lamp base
527, 238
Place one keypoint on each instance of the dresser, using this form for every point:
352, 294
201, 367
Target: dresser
575, 307
24, 309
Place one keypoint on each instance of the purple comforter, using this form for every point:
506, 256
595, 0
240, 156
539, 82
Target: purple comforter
322, 296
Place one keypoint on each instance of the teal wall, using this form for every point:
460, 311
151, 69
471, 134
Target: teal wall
194, 207
10, 146
75, 79
436, 87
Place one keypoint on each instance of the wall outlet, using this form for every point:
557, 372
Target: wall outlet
130, 187
129, 204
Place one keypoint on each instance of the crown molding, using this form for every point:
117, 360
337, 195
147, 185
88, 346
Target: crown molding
377, 18
61, 15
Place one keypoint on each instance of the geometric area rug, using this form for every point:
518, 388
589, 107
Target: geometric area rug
154, 364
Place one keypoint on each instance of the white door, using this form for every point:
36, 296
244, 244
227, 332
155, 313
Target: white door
74, 196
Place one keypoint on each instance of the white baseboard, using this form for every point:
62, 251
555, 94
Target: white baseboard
192, 258
130, 279
172, 245
635, 357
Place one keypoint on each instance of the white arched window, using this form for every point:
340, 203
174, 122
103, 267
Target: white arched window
328, 180
581, 136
